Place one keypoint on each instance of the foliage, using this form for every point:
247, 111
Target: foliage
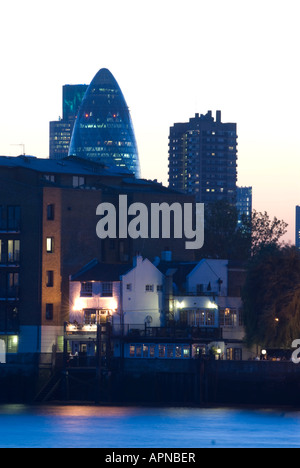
224, 238
271, 297
265, 231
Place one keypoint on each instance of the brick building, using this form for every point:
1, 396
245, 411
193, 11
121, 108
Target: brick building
48, 232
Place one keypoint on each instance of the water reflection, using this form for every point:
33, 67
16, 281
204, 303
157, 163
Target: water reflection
125, 427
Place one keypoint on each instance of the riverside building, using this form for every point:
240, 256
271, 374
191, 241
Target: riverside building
48, 232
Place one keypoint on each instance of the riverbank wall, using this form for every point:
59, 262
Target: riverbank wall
136, 381
210, 382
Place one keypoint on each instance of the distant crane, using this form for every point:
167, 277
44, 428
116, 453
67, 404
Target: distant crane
20, 144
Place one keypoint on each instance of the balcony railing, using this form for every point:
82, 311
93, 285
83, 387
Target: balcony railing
138, 331
174, 332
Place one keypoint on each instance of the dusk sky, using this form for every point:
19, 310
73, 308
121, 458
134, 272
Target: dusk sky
171, 59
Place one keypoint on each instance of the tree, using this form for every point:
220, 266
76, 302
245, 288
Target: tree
222, 237
225, 238
265, 231
271, 297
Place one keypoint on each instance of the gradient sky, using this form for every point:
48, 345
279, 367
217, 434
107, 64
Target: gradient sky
171, 59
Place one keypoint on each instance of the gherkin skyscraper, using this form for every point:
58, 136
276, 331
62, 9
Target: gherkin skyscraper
103, 131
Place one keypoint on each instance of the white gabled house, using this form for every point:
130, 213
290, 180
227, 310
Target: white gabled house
161, 310
142, 294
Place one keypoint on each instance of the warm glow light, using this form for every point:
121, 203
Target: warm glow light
113, 304
212, 305
180, 305
90, 328
78, 304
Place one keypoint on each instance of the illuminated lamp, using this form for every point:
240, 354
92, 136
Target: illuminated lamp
113, 305
78, 304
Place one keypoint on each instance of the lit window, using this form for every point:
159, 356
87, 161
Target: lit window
13, 251
170, 351
50, 244
152, 351
138, 351
145, 351
161, 351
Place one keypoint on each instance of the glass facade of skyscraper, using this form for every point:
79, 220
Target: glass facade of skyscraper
72, 98
103, 131
61, 130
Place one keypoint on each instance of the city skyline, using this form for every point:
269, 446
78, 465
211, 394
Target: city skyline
239, 57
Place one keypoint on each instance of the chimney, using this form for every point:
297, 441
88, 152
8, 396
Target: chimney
218, 116
137, 260
168, 297
166, 256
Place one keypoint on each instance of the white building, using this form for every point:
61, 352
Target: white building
156, 310
142, 294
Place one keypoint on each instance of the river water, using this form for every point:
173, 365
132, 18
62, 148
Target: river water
139, 427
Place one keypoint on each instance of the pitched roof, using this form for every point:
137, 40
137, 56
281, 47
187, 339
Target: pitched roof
96, 271
69, 165
180, 271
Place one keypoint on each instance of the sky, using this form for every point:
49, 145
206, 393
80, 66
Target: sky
171, 59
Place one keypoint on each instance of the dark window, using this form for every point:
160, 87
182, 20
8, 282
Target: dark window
13, 218
13, 285
50, 279
86, 289
90, 316
50, 212
107, 290
49, 311
49, 177
2, 220
2, 255
78, 181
